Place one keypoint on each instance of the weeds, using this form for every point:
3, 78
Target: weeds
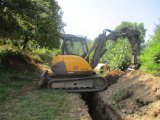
121, 94
45, 54
119, 106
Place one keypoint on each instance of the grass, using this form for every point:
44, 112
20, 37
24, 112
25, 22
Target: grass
21, 100
39, 105
119, 106
11, 80
121, 94
33, 104
19, 103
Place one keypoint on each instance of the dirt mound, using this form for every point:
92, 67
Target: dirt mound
23, 63
135, 96
113, 76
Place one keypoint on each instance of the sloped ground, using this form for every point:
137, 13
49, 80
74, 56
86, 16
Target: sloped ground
20, 99
135, 96
43, 104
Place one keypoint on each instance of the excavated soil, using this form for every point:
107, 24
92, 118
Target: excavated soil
134, 96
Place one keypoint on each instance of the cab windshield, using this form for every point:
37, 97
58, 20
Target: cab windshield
74, 46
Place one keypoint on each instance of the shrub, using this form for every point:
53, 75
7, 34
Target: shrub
118, 55
11, 54
121, 94
45, 54
150, 57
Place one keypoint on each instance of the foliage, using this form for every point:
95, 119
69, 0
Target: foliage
119, 106
45, 54
19, 97
31, 20
121, 94
89, 43
150, 57
119, 54
134, 26
13, 54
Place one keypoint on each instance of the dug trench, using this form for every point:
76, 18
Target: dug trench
133, 96
97, 108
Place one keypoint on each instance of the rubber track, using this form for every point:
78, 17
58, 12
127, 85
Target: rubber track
94, 78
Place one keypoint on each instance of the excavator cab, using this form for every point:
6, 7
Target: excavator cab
74, 45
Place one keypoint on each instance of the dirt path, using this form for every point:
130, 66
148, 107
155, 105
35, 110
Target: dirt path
78, 109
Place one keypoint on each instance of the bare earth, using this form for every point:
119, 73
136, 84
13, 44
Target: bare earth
143, 101
78, 110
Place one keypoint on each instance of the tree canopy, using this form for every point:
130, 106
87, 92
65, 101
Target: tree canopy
35, 21
135, 26
119, 53
150, 57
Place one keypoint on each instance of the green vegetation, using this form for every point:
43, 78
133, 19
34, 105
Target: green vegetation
150, 57
121, 94
119, 106
38, 105
20, 98
135, 26
33, 26
119, 53
12, 81
29, 38
45, 54
30, 23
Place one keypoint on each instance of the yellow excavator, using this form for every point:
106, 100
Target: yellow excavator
71, 69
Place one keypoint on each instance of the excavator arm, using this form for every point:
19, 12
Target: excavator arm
100, 43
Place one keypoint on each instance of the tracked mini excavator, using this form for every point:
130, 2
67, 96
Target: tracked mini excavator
71, 69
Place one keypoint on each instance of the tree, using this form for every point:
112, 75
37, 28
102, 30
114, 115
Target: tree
135, 26
31, 20
150, 57
119, 54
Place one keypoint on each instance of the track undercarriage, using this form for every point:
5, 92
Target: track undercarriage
76, 84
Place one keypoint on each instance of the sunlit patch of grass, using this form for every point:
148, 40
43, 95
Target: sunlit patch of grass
11, 80
21, 100
39, 105
36, 104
